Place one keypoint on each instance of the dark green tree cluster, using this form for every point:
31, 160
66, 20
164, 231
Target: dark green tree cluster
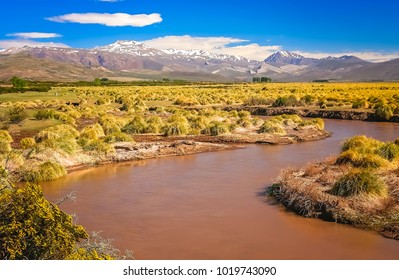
261, 79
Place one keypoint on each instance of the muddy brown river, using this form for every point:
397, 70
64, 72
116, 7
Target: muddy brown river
212, 205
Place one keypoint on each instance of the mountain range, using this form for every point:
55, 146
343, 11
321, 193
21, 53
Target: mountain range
134, 60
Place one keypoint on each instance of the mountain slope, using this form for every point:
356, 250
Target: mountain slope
135, 59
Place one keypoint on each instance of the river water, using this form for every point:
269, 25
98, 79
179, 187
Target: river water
212, 205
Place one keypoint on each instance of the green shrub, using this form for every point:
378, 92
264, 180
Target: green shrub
359, 181
17, 114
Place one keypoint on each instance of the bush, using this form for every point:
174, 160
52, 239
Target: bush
17, 114
27, 143
359, 181
33, 228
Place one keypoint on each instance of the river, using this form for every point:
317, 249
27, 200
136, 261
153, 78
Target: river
212, 205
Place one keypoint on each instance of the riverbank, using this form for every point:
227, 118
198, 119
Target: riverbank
352, 188
59, 149
312, 112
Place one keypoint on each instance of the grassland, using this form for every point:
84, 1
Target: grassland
85, 125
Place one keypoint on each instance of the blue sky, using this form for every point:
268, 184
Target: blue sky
255, 29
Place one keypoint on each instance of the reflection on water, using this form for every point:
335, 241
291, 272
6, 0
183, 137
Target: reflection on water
211, 205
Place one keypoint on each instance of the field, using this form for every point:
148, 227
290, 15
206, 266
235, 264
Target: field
43, 135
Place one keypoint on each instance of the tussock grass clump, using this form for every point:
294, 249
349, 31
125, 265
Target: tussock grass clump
61, 137
358, 159
27, 143
176, 125
154, 125
359, 181
389, 151
272, 128
94, 131
118, 137
5, 140
45, 114
361, 144
96, 145
361, 151
317, 122
216, 128
111, 124
384, 111
46, 171
136, 126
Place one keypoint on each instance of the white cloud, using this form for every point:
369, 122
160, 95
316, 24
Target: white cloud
218, 45
118, 19
366, 55
34, 35
6, 44
110, 0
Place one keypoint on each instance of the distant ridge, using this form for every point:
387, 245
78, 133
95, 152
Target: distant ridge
137, 60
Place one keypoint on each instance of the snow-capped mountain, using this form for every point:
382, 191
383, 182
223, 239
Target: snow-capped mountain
286, 57
132, 58
200, 54
130, 47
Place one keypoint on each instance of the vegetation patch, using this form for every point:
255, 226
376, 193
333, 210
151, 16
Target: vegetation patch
359, 187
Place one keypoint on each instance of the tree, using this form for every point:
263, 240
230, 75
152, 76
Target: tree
18, 82
97, 82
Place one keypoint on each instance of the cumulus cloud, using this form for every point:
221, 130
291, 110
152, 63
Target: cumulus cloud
220, 45
34, 35
365, 55
6, 44
118, 19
